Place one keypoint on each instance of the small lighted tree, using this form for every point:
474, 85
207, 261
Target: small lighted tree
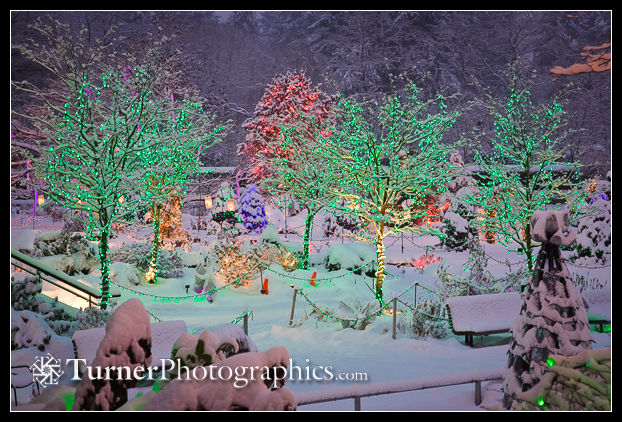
384, 162
252, 210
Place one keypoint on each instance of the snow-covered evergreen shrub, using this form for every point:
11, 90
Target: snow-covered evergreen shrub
139, 254
244, 393
348, 256
457, 226
252, 211
78, 254
26, 296
29, 330
594, 231
455, 229
209, 347
580, 382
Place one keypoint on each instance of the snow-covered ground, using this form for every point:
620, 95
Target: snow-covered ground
325, 343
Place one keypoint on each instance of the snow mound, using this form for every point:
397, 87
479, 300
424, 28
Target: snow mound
240, 392
348, 256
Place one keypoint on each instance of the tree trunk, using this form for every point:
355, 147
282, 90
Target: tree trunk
305, 239
105, 268
529, 248
152, 272
380, 271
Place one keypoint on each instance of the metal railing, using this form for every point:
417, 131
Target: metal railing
359, 391
56, 277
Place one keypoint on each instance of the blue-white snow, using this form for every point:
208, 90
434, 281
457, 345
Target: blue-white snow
312, 342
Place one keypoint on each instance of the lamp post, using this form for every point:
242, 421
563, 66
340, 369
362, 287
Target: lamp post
208, 207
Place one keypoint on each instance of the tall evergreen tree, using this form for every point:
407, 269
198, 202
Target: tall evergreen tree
553, 319
288, 98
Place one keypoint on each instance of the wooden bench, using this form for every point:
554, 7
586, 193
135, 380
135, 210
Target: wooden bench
599, 317
481, 315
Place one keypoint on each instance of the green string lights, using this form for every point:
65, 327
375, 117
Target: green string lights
526, 170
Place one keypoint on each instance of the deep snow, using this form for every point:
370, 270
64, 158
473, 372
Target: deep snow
325, 343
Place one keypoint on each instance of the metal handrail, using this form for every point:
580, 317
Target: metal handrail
401, 386
41, 270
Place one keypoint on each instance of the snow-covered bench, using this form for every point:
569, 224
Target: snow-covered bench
481, 315
163, 336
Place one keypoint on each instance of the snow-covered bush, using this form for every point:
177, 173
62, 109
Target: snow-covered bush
594, 231
67, 251
210, 347
139, 254
348, 256
429, 319
26, 296
127, 342
29, 330
241, 392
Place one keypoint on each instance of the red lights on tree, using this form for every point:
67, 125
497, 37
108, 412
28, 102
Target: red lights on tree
288, 98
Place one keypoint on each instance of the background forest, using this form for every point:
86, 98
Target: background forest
231, 57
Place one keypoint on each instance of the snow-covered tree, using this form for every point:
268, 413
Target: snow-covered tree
553, 319
385, 161
593, 223
252, 210
287, 99
111, 141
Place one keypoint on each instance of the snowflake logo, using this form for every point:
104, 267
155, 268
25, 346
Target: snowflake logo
46, 370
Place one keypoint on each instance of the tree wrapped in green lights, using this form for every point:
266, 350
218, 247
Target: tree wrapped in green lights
110, 125
300, 170
384, 162
112, 136
525, 169
186, 132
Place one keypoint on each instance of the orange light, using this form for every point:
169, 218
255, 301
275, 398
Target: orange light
208, 202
